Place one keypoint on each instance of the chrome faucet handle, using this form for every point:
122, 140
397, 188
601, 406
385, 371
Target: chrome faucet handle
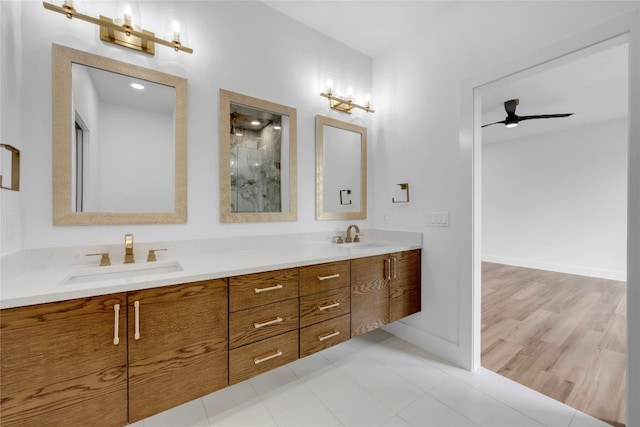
104, 260
338, 239
152, 254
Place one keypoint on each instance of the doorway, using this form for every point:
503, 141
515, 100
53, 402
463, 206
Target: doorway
470, 192
554, 202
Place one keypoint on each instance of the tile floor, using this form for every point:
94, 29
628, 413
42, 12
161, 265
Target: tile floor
373, 380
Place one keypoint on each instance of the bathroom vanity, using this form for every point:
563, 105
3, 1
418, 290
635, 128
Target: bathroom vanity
112, 359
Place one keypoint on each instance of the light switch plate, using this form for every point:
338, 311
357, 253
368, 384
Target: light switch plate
436, 219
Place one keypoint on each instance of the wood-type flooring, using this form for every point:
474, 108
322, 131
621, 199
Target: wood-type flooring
560, 334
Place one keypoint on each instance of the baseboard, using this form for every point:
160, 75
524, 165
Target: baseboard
433, 344
559, 268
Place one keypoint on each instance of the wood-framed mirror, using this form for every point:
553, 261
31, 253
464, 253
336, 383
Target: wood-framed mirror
341, 169
258, 160
119, 153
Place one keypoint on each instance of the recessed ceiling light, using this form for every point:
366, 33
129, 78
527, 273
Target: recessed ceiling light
137, 86
255, 122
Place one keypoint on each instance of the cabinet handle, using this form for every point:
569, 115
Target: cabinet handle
388, 268
259, 360
395, 266
333, 276
136, 333
272, 288
327, 307
116, 325
331, 335
267, 323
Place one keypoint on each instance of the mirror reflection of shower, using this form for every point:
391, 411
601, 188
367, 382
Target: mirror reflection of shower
256, 146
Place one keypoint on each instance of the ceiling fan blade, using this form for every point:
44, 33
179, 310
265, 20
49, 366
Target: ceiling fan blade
544, 116
495, 123
510, 106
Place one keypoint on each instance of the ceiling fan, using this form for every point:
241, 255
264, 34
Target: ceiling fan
512, 119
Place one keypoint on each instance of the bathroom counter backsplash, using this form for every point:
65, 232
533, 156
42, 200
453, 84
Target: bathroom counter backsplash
36, 276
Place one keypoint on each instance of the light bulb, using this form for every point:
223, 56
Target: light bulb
176, 31
511, 125
329, 85
127, 15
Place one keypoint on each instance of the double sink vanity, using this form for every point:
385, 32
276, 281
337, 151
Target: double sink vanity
111, 334
110, 345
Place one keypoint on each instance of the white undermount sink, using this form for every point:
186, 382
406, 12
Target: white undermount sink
124, 271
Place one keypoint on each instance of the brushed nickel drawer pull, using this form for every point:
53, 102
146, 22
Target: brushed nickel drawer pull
327, 307
259, 360
333, 276
116, 326
267, 323
331, 335
136, 333
272, 288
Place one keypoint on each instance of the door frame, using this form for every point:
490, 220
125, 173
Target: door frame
470, 203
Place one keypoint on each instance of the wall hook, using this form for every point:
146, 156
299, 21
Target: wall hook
404, 186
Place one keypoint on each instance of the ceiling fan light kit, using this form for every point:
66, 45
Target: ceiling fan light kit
513, 119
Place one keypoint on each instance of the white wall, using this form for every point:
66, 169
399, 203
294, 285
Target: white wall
136, 160
10, 118
417, 127
243, 46
558, 201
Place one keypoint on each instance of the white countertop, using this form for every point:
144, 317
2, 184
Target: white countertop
48, 283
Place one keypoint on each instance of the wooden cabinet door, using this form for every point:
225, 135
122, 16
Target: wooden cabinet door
369, 294
60, 366
181, 352
405, 298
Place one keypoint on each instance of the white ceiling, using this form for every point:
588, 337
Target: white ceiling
368, 26
593, 84
114, 88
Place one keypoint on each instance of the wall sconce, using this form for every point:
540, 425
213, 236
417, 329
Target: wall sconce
345, 104
123, 30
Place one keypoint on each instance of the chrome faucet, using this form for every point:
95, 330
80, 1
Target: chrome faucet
128, 249
356, 238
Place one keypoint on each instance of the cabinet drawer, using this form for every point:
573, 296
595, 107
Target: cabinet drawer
262, 322
320, 277
324, 305
324, 335
252, 290
253, 359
